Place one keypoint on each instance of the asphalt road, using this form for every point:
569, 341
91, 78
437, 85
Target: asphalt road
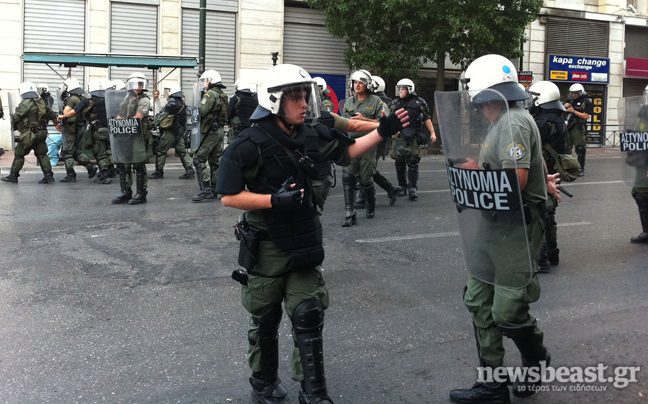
134, 304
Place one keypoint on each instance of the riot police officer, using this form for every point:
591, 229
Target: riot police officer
639, 160
43, 90
267, 171
407, 151
547, 111
118, 85
503, 278
94, 111
172, 120
327, 102
362, 105
213, 112
136, 105
579, 108
240, 108
30, 118
74, 128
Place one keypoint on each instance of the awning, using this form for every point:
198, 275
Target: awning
107, 60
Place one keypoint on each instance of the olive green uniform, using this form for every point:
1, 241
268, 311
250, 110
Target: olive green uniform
31, 117
213, 110
74, 128
496, 307
364, 167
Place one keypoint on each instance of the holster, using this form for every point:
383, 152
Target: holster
249, 245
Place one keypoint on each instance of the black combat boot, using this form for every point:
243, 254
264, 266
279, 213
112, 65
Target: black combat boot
12, 178
204, 193
267, 393
103, 177
412, 175
48, 178
532, 351
348, 186
92, 169
157, 175
370, 196
70, 177
112, 172
126, 193
491, 393
384, 183
266, 385
401, 174
393, 194
642, 205
554, 256
140, 196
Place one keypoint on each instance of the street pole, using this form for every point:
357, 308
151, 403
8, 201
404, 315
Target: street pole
201, 35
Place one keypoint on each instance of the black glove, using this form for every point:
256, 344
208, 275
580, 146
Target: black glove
389, 125
286, 200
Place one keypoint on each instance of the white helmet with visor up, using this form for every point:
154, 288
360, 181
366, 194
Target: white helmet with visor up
211, 78
172, 89
286, 82
492, 72
406, 84
27, 89
378, 84
362, 76
546, 95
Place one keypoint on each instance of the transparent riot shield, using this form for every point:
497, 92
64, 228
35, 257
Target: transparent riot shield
196, 134
61, 106
481, 162
126, 140
11, 121
633, 130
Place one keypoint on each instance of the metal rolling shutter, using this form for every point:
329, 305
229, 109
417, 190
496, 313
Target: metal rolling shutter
308, 44
53, 27
133, 30
220, 45
214, 5
577, 37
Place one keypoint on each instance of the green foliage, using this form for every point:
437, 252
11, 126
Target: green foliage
395, 37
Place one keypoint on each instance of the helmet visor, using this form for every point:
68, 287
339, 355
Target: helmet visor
136, 84
298, 102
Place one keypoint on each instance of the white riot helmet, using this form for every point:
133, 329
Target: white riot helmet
321, 84
97, 87
27, 90
546, 95
137, 81
211, 78
407, 84
286, 81
362, 76
378, 84
577, 88
42, 87
172, 89
72, 86
245, 86
118, 85
492, 72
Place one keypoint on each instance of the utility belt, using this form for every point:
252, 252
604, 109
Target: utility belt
96, 125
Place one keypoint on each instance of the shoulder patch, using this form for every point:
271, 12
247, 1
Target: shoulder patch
515, 150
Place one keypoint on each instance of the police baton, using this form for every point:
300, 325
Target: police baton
564, 191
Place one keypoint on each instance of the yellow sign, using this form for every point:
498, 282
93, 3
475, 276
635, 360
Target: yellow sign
558, 75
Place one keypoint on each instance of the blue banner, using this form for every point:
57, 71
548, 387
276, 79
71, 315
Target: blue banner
578, 69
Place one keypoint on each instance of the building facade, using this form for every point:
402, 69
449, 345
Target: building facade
599, 43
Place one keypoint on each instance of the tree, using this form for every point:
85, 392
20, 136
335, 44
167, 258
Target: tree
396, 37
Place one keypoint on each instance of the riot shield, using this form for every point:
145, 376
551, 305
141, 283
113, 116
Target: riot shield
481, 157
126, 140
196, 133
11, 121
61, 106
633, 130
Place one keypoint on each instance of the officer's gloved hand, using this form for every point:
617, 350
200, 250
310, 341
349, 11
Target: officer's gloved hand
392, 124
287, 199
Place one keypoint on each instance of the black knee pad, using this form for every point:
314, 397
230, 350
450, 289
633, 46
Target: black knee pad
270, 320
400, 164
348, 178
139, 168
121, 168
308, 316
413, 161
196, 162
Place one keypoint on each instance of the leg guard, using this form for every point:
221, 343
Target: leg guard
532, 351
412, 175
140, 196
381, 181
348, 185
360, 200
308, 322
266, 385
126, 193
370, 196
642, 205
401, 171
543, 259
199, 172
580, 153
157, 174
